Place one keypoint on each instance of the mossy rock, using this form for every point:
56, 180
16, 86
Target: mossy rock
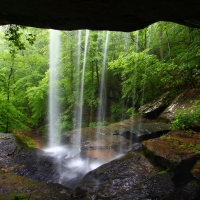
13, 186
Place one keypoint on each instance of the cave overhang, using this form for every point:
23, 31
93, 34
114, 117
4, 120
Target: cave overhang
111, 15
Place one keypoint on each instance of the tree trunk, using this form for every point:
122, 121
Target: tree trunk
97, 72
161, 43
169, 47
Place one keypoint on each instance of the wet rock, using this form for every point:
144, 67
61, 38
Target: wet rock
153, 109
12, 185
176, 151
173, 149
10, 146
145, 131
137, 147
33, 163
135, 129
196, 170
182, 101
129, 177
190, 191
160, 185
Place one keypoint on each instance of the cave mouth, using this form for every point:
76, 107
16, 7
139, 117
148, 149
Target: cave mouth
111, 15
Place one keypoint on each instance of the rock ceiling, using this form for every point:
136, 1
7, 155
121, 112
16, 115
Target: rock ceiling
116, 15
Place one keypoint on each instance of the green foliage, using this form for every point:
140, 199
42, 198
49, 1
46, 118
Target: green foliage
28, 140
118, 111
141, 66
167, 137
10, 116
64, 122
19, 197
164, 171
134, 68
186, 119
95, 124
30, 143
183, 146
198, 148
17, 36
37, 97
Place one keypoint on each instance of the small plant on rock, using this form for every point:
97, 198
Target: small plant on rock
20, 197
186, 119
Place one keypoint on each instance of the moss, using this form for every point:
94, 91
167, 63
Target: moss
4, 138
25, 140
197, 149
19, 197
163, 172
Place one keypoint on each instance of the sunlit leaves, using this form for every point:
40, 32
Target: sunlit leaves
18, 37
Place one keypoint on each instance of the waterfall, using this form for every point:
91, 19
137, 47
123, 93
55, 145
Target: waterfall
70, 162
102, 93
77, 80
54, 110
77, 137
135, 73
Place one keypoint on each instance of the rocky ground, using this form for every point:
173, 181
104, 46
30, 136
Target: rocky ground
13, 186
156, 163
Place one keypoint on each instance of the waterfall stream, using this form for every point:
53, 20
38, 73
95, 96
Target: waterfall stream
54, 109
71, 162
102, 93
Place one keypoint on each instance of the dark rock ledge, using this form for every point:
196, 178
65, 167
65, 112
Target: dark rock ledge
28, 172
178, 151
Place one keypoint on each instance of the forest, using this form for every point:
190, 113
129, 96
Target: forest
140, 66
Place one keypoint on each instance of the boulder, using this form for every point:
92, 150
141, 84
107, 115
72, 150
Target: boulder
33, 163
153, 109
17, 187
186, 100
129, 177
177, 151
190, 191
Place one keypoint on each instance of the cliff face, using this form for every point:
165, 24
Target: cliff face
115, 15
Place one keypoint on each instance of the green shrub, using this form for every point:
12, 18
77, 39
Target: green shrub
186, 119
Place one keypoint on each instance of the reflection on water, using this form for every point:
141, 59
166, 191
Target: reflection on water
72, 164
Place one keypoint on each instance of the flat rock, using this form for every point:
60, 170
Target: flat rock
174, 147
116, 135
176, 150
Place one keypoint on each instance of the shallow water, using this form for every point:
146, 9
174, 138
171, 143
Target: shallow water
72, 164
